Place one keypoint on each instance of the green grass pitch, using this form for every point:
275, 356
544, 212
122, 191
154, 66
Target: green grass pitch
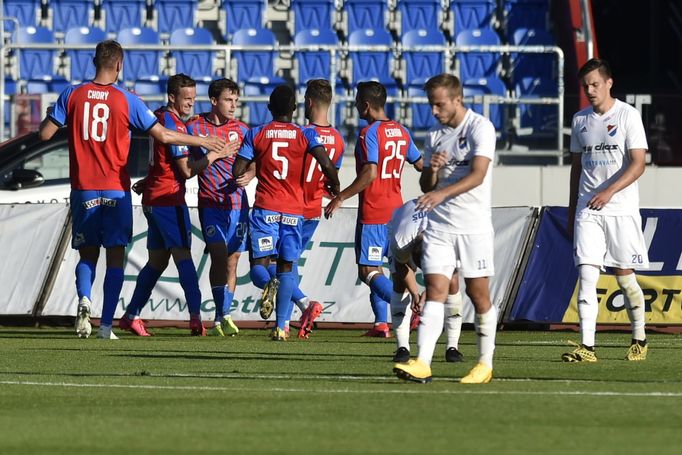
332, 394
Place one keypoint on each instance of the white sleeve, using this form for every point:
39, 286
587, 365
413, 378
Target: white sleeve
635, 137
575, 141
483, 140
428, 149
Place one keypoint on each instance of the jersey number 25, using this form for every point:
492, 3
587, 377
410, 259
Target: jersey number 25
395, 151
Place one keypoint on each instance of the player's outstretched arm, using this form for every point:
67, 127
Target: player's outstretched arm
240, 166
366, 176
479, 169
247, 176
167, 136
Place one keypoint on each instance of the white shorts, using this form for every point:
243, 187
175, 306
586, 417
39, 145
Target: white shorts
609, 241
470, 254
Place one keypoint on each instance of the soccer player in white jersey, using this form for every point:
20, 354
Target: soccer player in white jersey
459, 236
406, 230
608, 148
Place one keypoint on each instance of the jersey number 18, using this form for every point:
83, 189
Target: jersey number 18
95, 122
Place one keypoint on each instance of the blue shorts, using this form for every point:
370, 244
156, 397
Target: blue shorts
101, 218
309, 227
275, 233
169, 227
226, 226
371, 244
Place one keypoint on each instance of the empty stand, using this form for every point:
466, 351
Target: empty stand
536, 119
421, 115
314, 64
473, 14
140, 64
487, 86
312, 15
526, 64
421, 65
68, 14
244, 14
80, 61
529, 14
476, 65
365, 14
419, 14
254, 64
35, 64
121, 14
374, 65
27, 13
172, 15
196, 63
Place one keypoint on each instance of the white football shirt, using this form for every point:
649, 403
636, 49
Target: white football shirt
604, 141
405, 225
467, 213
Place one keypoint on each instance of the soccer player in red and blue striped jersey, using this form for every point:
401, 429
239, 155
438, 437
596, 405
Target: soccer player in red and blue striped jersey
223, 206
99, 116
279, 149
380, 154
167, 214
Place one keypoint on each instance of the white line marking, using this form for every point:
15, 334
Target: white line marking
461, 391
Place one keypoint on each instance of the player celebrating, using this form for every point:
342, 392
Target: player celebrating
608, 147
100, 116
459, 236
405, 250
279, 150
166, 211
380, 153
223, 206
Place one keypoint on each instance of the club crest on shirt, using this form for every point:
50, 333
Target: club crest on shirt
233, 136
583, 129
374, 253
612, 129
462, 142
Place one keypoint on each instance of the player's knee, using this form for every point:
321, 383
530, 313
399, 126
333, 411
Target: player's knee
628, 284
453, 305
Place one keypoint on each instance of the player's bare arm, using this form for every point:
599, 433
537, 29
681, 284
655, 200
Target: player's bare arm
419, 164
406, 275
634, 170
367, 175
429, 178
167, 136
328, 169
576, 170
138, 187
244, 179
47, 129
240, 166
479, 168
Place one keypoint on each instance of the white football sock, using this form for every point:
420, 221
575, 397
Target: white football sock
634, 304
588, 306
453, 319
430, 328
486, 328
400, 318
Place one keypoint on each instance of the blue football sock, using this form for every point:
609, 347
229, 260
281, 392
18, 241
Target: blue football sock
227, 304
113, 282
259, 276
382, 287
287, 282
379, 308
297, 294
85, 275
190, 284
146, 281
219, 300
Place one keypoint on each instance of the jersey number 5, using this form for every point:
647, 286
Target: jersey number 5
95, 122
283, 159
395, 150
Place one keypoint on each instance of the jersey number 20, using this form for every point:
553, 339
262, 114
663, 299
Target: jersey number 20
95, 122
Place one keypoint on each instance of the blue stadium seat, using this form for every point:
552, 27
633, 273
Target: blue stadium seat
314, 64
419, 66
140, 64
202, 91
365, 14
536, 65
473, 14
26, 12
374, 65
254, 63
197, 64
120, 14
419, 14
175, 14
312, 14
525, 14
35, 64
81, 66
537, 119
68, 14
487, 86
156, 87
422, 118
476, 65
54, 85
258, 110
244, 14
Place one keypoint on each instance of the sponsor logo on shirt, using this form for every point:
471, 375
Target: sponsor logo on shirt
603, 147
265, 243
374, 253
612, 129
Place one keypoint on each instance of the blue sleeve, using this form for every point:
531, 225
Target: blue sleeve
339, 162
196, 152
413, 154
246, 150
313, 139
139, 114
176, 151
371, 145
58, 115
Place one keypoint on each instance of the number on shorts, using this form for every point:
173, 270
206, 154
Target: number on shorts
241, 230
95, 122
482, 264
283, 159
394, 148
637, 259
